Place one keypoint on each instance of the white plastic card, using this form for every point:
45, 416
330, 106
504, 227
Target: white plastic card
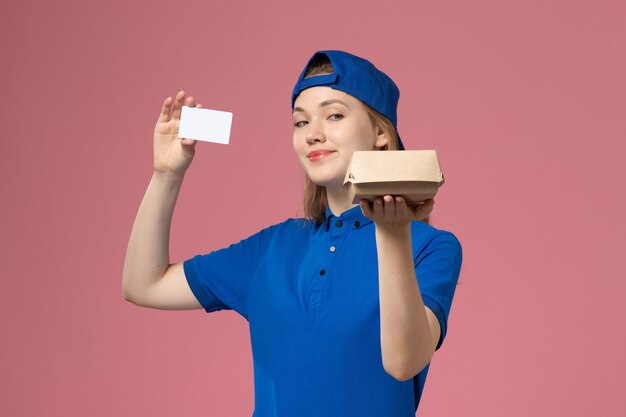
205, 124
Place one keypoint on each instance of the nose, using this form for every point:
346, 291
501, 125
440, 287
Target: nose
314, 133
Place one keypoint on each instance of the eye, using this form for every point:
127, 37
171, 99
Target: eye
300, 123
336, 116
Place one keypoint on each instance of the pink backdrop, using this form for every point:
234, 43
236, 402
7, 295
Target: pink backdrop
525, 103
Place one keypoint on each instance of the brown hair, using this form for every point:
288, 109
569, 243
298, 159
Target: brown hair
315, 200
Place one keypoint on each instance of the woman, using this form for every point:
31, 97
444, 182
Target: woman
346, 306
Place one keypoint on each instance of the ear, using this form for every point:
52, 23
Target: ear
382, 139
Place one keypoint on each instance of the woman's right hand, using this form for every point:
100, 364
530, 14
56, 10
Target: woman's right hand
172, 154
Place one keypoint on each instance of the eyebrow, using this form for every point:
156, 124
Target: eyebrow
322, 104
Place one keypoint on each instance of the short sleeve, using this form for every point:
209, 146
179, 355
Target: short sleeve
437, 269
220, 280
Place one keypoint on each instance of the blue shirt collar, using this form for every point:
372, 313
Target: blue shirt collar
353, 217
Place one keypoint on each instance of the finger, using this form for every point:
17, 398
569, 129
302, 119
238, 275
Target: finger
188, 142
423, 210
199, 106
401, 208
378, 206
427, 204
165, 110
366, 209
178, 105
390, 206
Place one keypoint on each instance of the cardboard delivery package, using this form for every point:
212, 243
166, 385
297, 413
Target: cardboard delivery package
415, 175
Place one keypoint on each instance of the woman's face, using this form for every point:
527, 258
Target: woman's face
329, 125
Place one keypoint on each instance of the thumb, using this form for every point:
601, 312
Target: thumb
188, 142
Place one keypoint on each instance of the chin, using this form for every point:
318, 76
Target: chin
322, 176
326, 182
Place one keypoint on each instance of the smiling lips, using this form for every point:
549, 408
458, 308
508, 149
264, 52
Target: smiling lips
317, 155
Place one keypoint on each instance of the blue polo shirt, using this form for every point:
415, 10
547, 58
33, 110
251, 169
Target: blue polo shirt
310, 295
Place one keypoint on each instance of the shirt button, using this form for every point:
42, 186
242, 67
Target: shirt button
339, 223
323, 272
357, 224
332, 249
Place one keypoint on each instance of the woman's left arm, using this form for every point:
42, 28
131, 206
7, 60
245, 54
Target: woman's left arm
409, 331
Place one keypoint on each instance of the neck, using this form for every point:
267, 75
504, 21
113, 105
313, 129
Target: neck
338, 200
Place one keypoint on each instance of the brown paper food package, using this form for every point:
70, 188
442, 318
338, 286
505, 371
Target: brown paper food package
415, 175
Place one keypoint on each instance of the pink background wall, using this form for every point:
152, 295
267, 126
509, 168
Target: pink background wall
525, 102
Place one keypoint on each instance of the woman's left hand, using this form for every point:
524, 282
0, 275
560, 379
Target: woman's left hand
390, 212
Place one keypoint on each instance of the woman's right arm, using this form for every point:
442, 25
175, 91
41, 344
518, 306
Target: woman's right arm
149, 280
